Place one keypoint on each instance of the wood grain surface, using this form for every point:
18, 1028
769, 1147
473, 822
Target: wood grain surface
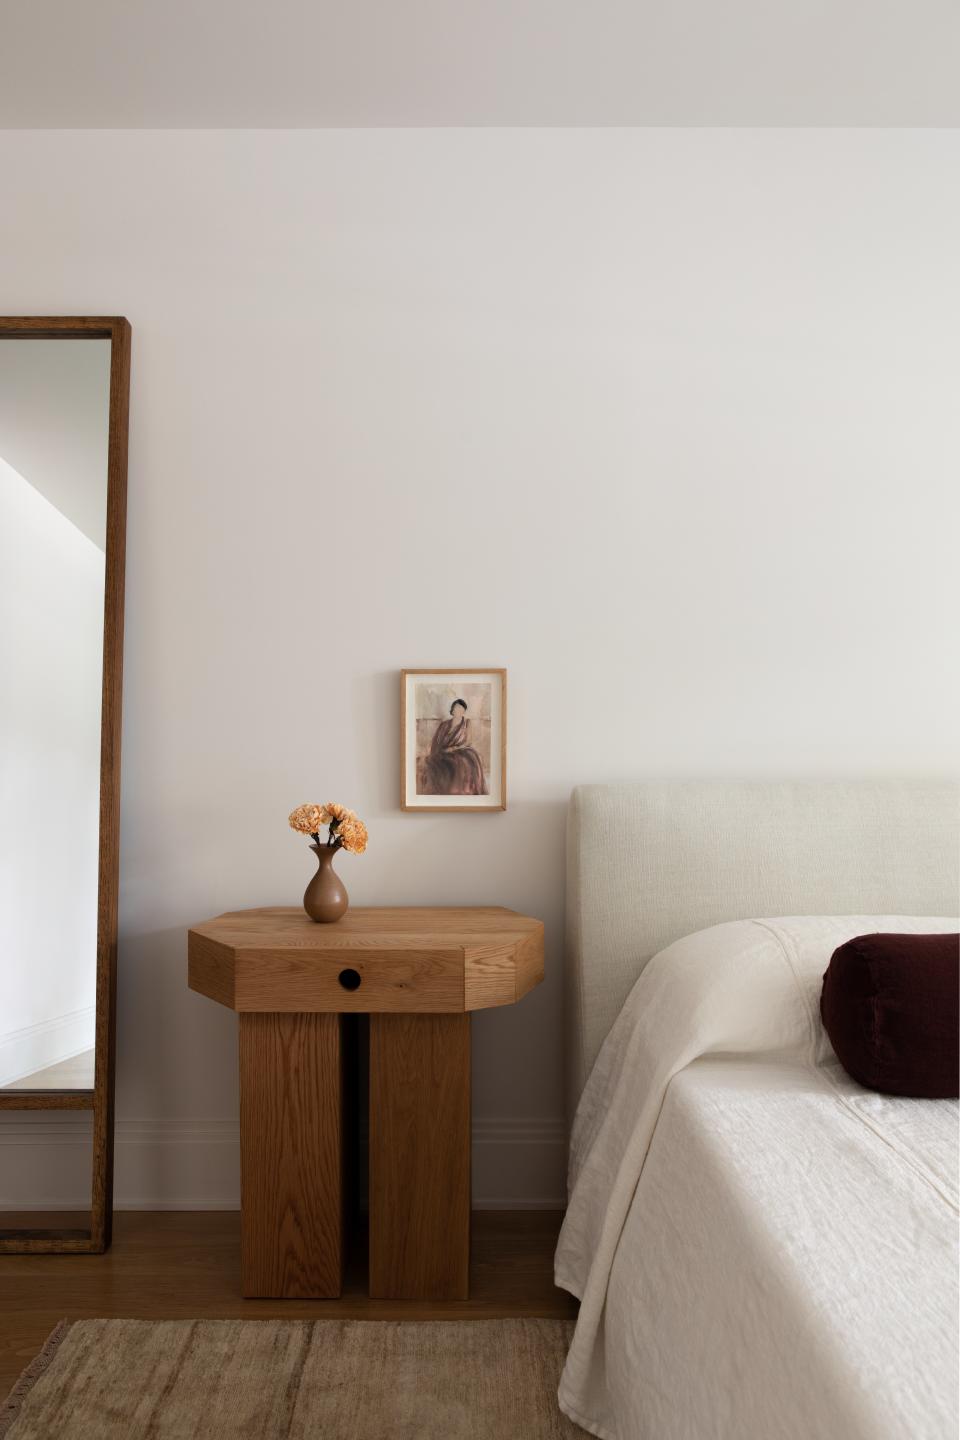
40, 1100
420, 1156
292, 1141
111, 729
47, 1240
212, 969
430, 960
417, 972
407, 979
175, 1264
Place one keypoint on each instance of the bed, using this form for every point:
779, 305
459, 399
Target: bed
762, 1249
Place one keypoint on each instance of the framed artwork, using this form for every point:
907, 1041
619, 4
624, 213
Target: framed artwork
453, 739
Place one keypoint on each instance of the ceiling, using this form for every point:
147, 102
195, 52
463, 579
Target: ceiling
318, 63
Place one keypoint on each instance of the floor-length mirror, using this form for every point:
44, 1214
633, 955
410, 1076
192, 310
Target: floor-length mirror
63, 422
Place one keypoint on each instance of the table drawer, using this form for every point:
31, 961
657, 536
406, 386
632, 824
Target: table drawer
428, 981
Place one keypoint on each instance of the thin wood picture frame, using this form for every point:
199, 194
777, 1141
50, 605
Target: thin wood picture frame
453, 739
100, 1100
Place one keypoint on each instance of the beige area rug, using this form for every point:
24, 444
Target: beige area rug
295, 1379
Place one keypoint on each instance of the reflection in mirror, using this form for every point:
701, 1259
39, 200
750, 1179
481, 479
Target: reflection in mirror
54, 422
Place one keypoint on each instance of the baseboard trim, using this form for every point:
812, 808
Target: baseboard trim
518, 1163
35, 1047
549, 1203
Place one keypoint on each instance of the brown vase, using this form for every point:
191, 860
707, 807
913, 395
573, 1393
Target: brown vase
325, 898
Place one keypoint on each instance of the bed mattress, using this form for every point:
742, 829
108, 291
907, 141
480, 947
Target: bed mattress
765, 1249
778, 1237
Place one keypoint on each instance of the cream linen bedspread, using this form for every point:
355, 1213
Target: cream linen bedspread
868, 1185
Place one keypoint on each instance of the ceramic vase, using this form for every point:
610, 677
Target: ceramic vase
325, 898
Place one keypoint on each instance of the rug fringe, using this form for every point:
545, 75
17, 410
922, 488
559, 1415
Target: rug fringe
11, 1407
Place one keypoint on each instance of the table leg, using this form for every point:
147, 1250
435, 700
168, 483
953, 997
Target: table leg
291, 1142
419, 1157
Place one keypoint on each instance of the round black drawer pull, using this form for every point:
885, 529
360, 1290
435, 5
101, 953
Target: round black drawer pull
349, 979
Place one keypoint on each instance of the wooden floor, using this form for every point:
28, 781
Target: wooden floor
174, 1265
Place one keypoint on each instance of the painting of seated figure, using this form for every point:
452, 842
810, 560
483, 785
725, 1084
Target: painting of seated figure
454, 739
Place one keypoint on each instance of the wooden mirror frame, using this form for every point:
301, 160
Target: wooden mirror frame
100, 1099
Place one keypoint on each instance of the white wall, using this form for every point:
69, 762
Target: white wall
664, 421
51, 649
54, 412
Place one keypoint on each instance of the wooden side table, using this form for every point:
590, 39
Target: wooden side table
418, 973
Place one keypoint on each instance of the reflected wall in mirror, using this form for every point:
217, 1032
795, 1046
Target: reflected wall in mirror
54, 424
63, 427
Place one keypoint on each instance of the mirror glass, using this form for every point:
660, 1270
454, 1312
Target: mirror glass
54, 423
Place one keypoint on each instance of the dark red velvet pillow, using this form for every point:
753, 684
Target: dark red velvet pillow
890, 1006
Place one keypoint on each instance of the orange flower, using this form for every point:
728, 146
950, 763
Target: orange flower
345, 826
308, 819
352, 834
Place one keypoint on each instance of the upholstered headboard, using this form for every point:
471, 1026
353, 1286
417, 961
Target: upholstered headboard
651, 862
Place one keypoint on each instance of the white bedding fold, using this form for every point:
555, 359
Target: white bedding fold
744, 988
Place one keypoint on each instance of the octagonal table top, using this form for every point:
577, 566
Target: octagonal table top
425, 959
